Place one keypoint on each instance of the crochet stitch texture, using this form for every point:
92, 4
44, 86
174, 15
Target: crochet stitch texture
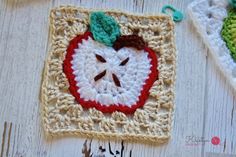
229, 32
104, 28
63, 115
115, 87
208, 18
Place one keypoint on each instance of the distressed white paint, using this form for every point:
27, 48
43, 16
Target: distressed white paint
205, 104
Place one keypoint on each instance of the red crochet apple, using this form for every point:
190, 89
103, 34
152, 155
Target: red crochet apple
109, 78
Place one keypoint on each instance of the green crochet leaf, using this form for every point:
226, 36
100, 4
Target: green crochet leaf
229, 32
104, 28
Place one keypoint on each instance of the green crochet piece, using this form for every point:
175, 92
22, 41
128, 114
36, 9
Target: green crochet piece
104, 28
229, 32
232, 3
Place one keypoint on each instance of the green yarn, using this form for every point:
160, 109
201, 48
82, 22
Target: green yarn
232, 3
176, 15
229, 32
104, 28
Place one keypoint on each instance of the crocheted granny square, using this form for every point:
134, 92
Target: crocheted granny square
214, 21
109, 75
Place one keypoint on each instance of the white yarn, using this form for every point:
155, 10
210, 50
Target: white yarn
208, 16
132, 76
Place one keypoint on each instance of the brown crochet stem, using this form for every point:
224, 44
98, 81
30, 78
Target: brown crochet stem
129, 41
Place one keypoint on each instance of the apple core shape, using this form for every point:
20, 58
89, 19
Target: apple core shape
109, 80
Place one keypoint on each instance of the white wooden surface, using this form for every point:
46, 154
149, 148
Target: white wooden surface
205, 104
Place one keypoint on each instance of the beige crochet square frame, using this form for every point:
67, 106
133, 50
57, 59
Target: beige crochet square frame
62, 115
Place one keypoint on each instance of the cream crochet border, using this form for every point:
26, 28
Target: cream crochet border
61, 115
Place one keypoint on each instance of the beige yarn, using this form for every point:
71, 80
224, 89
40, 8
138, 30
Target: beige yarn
62, 115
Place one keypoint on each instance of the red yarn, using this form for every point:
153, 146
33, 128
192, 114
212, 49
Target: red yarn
67, 67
